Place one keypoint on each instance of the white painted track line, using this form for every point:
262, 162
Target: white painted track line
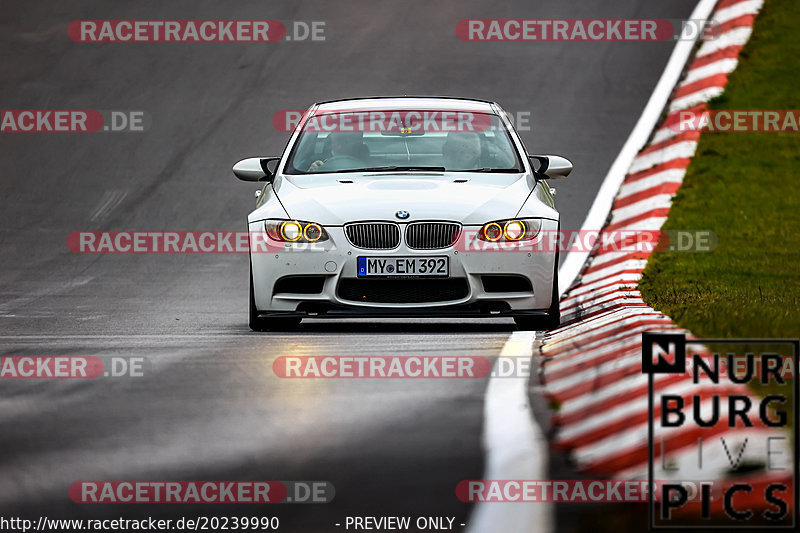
516, 448
636, 140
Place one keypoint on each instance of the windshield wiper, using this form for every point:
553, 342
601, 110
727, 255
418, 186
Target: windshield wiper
391, 168
489, 169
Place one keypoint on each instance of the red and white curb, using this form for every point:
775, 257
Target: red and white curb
592, 364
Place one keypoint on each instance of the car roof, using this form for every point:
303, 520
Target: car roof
420, 103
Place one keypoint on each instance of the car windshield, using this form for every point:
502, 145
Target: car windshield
378, 141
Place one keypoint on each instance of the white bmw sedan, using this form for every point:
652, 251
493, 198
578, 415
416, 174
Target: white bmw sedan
403, 207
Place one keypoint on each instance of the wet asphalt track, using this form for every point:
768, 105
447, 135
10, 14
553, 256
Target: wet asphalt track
209, 406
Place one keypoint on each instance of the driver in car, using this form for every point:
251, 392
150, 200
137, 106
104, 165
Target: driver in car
345, 147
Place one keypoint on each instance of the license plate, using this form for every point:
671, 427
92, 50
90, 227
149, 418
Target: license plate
404, 267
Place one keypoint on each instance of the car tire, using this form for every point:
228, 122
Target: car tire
553, 319
268, 324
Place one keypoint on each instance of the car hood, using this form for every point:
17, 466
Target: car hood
341, 198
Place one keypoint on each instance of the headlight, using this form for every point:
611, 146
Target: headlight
295, 231
513, 230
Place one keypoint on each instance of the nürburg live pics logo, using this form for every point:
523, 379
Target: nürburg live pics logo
722, 432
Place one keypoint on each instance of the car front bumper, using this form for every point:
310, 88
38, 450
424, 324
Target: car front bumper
332, 264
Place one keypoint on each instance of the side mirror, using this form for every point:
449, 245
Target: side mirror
551, 166
254, 169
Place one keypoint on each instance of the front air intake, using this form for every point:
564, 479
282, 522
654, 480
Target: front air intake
299, 285
403, 290
506, 283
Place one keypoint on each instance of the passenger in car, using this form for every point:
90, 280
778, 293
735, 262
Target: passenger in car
462, 151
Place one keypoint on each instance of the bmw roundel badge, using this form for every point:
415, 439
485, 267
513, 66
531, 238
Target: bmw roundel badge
402, 214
